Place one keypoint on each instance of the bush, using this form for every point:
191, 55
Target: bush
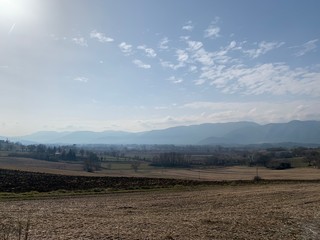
257, 178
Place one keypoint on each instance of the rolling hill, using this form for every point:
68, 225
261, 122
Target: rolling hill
232, 133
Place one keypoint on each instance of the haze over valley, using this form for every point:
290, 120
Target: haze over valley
137, 66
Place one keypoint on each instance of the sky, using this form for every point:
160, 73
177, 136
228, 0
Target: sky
139, 65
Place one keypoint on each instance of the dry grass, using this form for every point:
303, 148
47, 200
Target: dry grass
279, 211
228, 173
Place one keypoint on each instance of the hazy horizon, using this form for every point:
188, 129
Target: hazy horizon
143, 65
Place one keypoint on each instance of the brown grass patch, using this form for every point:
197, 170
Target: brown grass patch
215, 174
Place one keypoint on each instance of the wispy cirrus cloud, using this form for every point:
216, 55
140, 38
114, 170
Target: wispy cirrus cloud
167, 64
218, 112
268, 78
81, 79
263, 48
148, 51
100, 36
188, 26
163, 44
80, 41
125, 48
182, 55
213, 30
175, 80
258, 111
141, 64
307, 47
194, 45
198, 53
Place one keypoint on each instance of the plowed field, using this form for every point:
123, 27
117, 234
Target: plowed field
271, 211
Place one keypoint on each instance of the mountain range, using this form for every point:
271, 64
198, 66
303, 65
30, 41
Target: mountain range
232, 133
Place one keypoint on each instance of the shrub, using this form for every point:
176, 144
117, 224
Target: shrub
257, 178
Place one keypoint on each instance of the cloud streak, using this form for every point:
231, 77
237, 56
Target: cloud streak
100, 37
81, 79
307, 47
213, 31
269, 78
261, 111
175, 80
188, 26
163, 44
140, 64
80, 41
263, 48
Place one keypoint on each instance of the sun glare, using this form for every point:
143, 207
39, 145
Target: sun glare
10, 8
17, 10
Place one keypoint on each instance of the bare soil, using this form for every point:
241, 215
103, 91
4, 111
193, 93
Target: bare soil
272, 211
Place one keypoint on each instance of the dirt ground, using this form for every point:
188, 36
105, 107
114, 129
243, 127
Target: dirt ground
272, 211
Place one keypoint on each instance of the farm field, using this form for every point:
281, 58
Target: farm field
124, 169
272, 211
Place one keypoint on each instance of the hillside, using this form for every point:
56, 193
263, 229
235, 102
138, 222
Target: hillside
232, 133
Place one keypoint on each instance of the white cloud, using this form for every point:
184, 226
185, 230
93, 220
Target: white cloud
81, 79
170, 65
263, 48
80, 41
188, 27
307, 47
203, 57
163, 44
125, 48
100, 37
269, 78
194, 45
182, 55
148, 51
175, 80
213, 30
140, 64
232, 45
260, 112
198, 53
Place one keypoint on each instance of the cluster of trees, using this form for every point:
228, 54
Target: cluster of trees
6, 145
171, 159
91, 161
167, 155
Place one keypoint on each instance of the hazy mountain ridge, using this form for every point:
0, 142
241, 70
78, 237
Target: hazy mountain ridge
204, 134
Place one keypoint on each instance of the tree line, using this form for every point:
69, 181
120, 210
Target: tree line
91, 161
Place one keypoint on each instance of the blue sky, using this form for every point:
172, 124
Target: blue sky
138, 65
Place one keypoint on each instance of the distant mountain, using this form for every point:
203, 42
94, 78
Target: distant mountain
78, 137
294, 132
232, 133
